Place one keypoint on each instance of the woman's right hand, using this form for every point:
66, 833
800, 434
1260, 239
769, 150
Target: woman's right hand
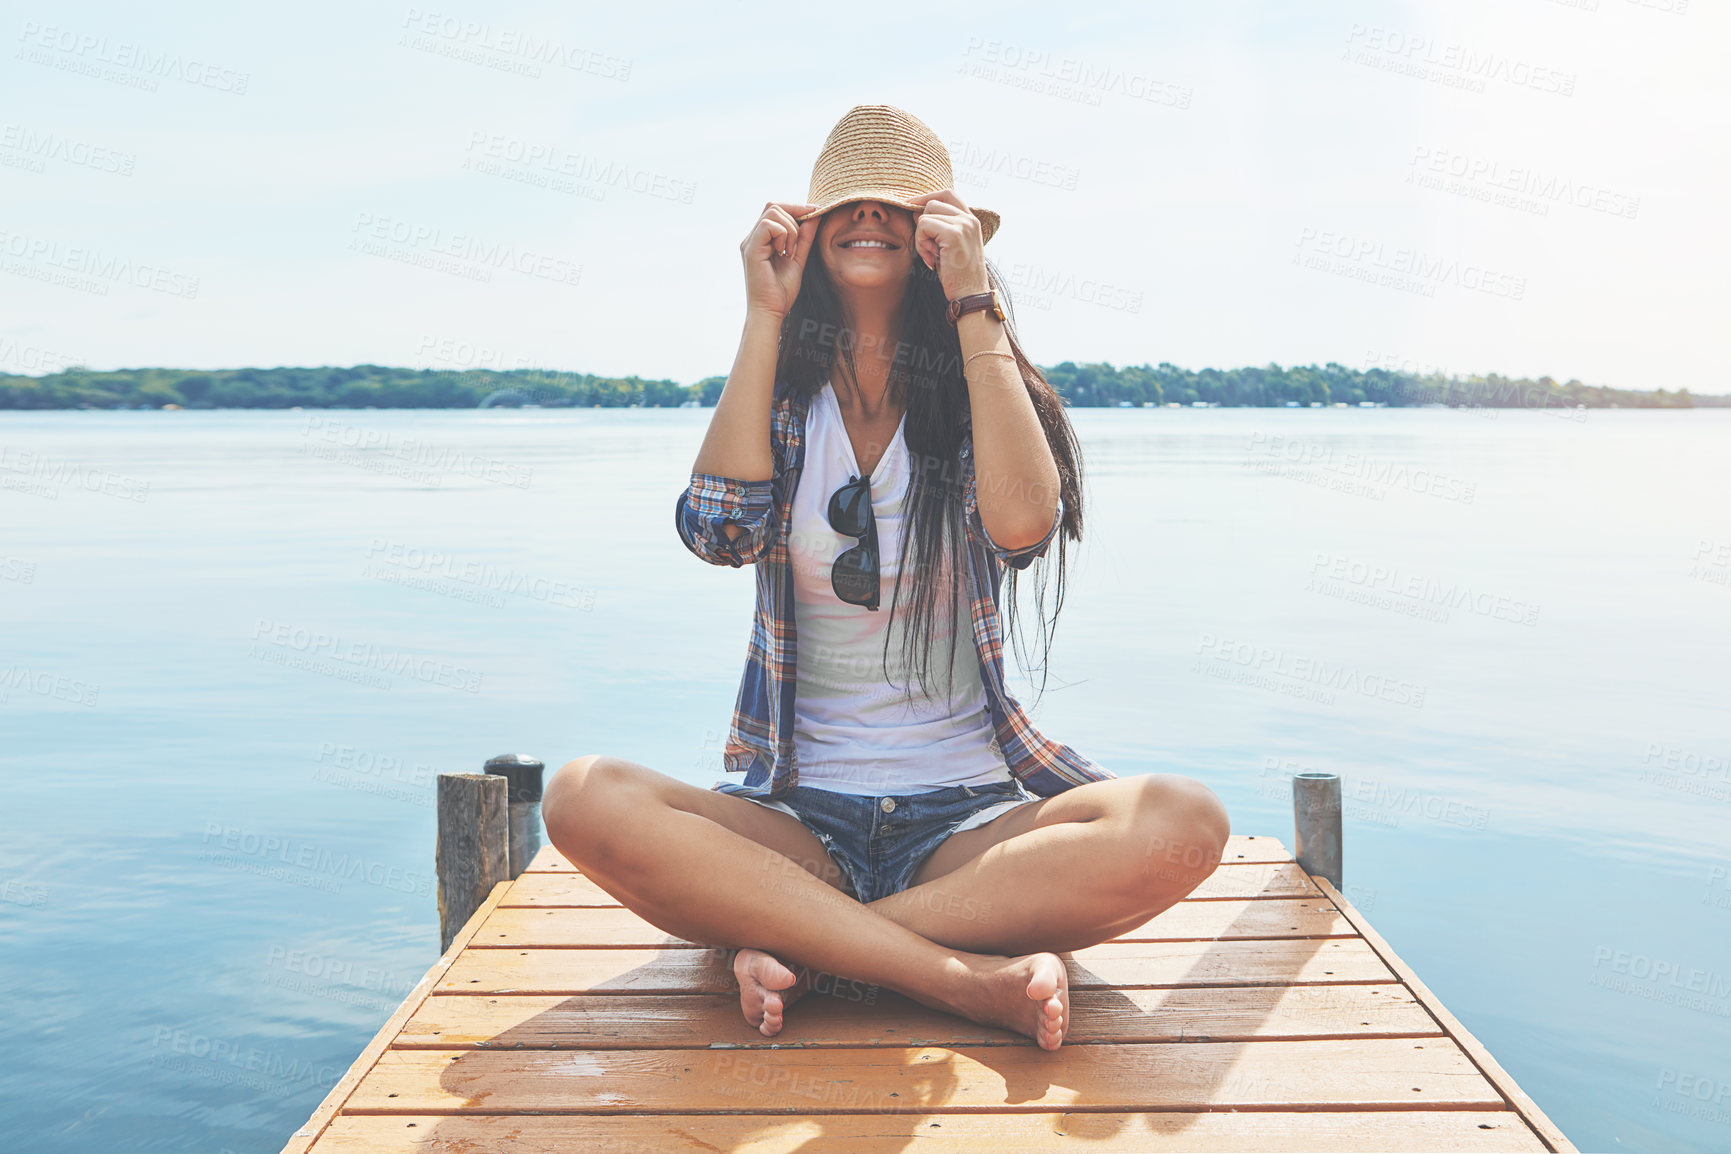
775, 254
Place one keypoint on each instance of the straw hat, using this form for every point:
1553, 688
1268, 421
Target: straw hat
879, 152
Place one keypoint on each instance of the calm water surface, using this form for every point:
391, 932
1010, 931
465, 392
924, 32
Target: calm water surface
1509, 632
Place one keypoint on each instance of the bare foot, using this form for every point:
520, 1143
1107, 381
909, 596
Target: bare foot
766, 988
1029, 994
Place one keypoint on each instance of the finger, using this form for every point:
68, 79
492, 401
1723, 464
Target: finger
933, 235
807, 237
792, 212
960, 218
930, 246
943, 196
799, 233
924, 243
759, 231
946, 205
789, 229
782, 212
775, 234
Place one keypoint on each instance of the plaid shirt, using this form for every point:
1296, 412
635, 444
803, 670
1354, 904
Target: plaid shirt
760, 742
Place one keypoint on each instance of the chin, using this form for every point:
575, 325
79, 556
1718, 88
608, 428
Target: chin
869, 281
869, 278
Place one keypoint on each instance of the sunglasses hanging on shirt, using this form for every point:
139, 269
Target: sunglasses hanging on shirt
854, 576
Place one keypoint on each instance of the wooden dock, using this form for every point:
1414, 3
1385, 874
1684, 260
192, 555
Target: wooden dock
1262, 1013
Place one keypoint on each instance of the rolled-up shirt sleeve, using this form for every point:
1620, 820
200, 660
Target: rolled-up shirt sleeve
709, 502
1014, 558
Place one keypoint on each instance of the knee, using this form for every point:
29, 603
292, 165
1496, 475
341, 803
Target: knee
585, 805
1181, 831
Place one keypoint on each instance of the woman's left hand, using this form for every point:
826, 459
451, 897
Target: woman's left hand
947, 237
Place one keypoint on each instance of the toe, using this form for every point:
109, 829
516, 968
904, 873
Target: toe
773, 974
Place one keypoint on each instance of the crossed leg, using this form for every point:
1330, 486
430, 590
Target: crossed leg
976, 934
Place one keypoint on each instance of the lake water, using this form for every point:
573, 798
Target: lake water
216, 837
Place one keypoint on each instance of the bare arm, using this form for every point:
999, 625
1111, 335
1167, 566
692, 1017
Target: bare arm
1015, 477
737, 443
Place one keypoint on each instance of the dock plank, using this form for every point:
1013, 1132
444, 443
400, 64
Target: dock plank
1256, 880
557, 889
1239, 848
628, 1021
1468, 1131
1252, 880
1122, 965
592, 927
1373, 1073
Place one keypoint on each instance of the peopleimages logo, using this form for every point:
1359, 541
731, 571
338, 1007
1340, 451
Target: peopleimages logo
481, 255
1271, 667
984, 161
381, 451
1661, 980
46, 684
1272, 451
314, 644
46, 253
54, 471
38, 146
1380, 581
452, 35
1067, 76
555, 160
1372, 256
88, 53
1542, 187
1457, 65
435, 565
317, 860
1059, 282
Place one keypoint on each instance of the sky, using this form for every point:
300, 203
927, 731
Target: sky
1527, 187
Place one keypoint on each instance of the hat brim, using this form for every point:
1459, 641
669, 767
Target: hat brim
989, 220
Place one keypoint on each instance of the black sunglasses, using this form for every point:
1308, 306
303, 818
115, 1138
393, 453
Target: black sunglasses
854, 575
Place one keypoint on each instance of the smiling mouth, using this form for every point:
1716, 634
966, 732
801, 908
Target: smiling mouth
878, 244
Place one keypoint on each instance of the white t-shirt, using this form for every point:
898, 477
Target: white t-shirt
856, 731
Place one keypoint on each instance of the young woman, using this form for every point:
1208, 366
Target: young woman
901, 822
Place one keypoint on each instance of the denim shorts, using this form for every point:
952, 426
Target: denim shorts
880, 843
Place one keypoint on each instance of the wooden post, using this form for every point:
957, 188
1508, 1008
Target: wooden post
1316, 824
473, 853
524, 775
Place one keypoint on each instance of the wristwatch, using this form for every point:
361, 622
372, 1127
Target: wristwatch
986, 300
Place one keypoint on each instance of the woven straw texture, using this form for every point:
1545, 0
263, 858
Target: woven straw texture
880, 152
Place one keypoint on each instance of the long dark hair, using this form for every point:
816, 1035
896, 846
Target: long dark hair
926, 377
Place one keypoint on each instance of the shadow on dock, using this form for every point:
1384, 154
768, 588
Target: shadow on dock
645, 1048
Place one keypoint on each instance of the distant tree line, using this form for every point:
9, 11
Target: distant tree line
1087, 385
360, 387
1304, 385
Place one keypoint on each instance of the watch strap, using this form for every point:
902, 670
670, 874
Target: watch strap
961, 306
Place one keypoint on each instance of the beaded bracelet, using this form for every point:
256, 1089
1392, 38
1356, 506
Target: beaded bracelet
987, 353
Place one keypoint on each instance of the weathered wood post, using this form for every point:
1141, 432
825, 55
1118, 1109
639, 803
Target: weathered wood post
473, 853
1316, 824
524, 776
